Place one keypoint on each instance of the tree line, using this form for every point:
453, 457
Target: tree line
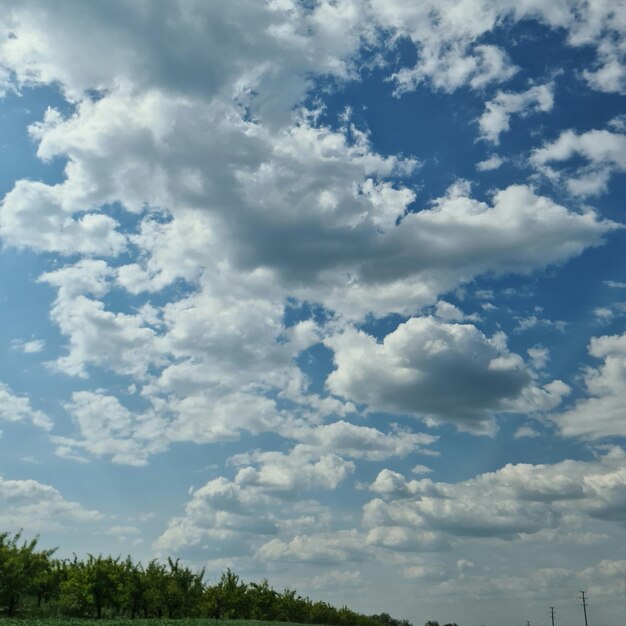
34, 583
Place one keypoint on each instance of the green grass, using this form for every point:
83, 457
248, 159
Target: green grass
200, 621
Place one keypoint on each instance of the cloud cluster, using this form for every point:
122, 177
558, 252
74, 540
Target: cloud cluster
523, 504
513, 502
603, 153
451, 52
302, 211
436, 370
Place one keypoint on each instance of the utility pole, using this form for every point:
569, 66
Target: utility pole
582, 597
552, 614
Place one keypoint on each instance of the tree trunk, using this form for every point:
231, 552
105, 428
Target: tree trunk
12, 606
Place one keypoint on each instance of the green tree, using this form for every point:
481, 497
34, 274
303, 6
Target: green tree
229, 598
183, 591
22, 569
134, 588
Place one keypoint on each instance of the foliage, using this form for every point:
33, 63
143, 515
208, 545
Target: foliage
37, 588
23, 571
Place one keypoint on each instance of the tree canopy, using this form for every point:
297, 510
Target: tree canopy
33, 583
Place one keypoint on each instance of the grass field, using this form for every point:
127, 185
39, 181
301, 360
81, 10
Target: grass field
59, 621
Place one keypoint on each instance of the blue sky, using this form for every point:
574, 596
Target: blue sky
331, 293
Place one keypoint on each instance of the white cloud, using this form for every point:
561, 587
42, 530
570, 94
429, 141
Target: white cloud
107, 428
360, 442
539, 355
434, 370
338, 579
447, 37
615, 284
605, 314
224, 347
34, 506
116, 341
239, 50
610, 76
525, 431
451, 313
600, 414
32, 346
533, 321
299, 469
207, 417
146, 148
43, 218
224, 511
336, 547
17, 408
403, 539
604, 152
489, 164
515, 500
496, 118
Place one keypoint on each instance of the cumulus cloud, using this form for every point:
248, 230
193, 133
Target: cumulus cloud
34, 506
498, 112
224, 511
204, 348
265, 498
605, 314
276, 44
107, 428
285, 42
600, 414
338, 579
17, 408
339, 546
603, 151
449, 39
360, 442
299, 469
514, 501
489, 164
39, 217
115, 341
539, 355
431, 369
525, 431
33, 346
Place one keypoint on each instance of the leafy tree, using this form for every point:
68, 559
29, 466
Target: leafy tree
263, 600
231, 600
156, 583
134, 588
22, 570
183, 590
